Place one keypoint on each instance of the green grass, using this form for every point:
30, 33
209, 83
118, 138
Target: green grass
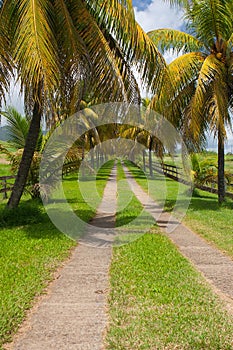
157, 300
132, 220
31, 248
211, 157
128, 207
5, 170
204, 215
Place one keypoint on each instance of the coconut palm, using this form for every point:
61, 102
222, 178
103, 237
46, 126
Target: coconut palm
17, 127
197, 94
62, 48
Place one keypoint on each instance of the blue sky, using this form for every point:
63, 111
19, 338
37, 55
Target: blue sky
141, 5
152, 14
157, 14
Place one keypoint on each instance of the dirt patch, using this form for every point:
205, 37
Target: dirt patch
4, 161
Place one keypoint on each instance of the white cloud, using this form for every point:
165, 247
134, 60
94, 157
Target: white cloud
159, 15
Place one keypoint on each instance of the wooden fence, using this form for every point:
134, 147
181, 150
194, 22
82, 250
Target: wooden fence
176, 173
6, 185
168, 170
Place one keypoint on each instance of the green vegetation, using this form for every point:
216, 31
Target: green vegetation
5, 170
157, 299
28, 256
204, 215
128, 205
94, 39
196, 95
31, 248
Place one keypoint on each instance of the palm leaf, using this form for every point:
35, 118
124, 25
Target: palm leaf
33, 33
211, 19
211, 96
6, 62
105, 73
17, 127
177, 85
166, 39
138, 48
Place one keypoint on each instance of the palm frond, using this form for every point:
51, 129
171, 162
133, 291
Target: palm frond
134, 42
179, 3
211, 70
33, 33
211, 99
6, 62
178, 41
17, 127
211, 19
180, 78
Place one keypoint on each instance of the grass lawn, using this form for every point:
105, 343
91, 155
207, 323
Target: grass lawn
158, 301
5, 170
31, 248
204, 215
211, 157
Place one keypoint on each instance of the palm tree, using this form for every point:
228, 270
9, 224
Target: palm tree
17, 127
197, 94
62, 48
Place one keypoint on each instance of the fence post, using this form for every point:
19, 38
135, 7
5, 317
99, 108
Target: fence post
4, 184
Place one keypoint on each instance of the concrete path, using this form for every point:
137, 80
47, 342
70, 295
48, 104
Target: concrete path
216, 267
73, 314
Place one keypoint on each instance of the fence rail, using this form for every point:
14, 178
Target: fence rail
168, 170
175, 173
6, 186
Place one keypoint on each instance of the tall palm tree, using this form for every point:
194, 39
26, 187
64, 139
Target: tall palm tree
197, 94
61, 48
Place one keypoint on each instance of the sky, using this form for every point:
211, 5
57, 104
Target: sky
153, 14
156, 14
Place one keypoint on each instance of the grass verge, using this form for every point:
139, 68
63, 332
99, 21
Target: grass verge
204, 215
31, 248
158, 301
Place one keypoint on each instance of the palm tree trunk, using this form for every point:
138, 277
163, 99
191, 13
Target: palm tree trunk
24, 167
144, 160
150, 157
221, 177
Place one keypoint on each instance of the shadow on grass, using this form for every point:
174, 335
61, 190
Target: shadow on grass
211, 204
32, 213
27, 213
125, 220
197, 204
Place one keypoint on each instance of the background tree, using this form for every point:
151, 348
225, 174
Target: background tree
197, 94
58, 44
